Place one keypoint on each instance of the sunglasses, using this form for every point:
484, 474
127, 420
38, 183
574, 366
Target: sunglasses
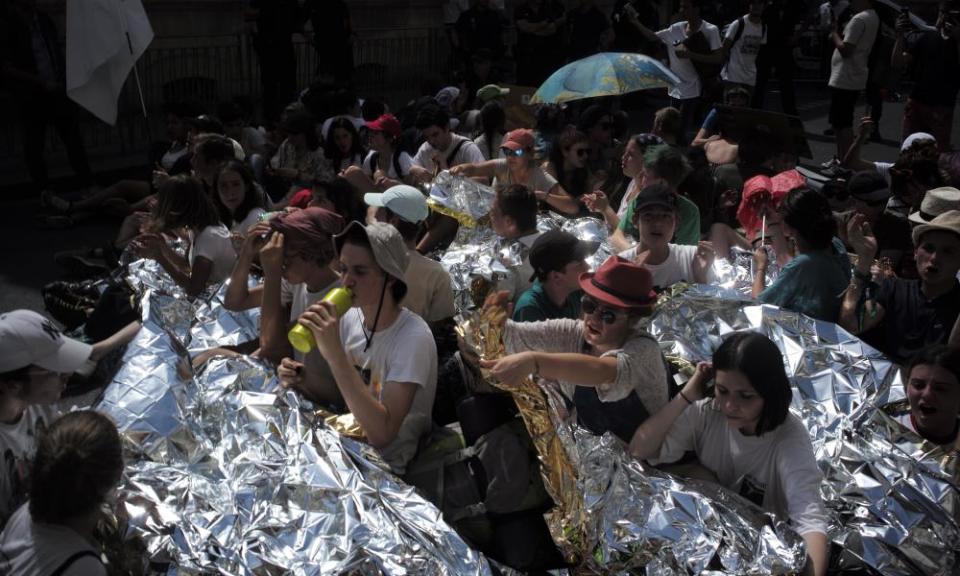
508, 152
588, 306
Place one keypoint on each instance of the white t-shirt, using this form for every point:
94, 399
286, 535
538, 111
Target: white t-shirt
468, 153
689, 86
18, 443
678, 267
404, 352
299, 298
252, 217
405, 161
851, 73
171, 156
776, 470
214, 244
742, 65
481, 142
29, 548
429, 291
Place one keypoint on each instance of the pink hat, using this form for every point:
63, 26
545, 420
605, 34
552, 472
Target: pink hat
519, 139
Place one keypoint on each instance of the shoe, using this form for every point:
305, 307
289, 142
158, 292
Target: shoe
70, 308
53, 202
84, 263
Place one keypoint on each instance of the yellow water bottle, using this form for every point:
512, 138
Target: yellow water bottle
301, 338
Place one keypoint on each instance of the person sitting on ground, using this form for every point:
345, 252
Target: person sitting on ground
668, 126
493, 122
442, 148
609, 368
386, 164
746, 437
296, 253
813, 282
382, 356
603, 161
655, 210
78, 464
299, 160
236, 126
901, 317
558, 260
568, 166
513, 217
186, 211
736, 97
520, 167
666, 165
932, 384
36, 360
344, 146
429, 289
869, 194
336, 196
239, 201
631, 164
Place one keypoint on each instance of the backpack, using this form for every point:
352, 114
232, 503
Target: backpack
741, 24
711, 88
489, 472
375, 158
456, 149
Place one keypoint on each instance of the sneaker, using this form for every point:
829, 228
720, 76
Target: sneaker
84, 263
53, 202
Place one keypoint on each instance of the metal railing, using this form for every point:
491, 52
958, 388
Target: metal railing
389, 64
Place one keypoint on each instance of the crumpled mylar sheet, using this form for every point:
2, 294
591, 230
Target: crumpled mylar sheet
461, 198
227, 473
613, 515
892, 498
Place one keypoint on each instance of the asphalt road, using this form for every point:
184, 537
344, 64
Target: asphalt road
28, 264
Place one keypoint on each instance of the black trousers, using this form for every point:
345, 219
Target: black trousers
780, 58
36, 113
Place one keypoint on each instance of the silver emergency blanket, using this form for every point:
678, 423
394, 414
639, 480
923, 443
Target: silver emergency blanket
893, 499
462, 198
228, 473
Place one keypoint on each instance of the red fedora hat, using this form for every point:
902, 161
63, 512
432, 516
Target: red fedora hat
620, 282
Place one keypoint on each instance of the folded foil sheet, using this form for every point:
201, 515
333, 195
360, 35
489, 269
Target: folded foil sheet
892, 498
227, 473
462, 198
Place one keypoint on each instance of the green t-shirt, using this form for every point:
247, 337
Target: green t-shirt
534, 305
688, 229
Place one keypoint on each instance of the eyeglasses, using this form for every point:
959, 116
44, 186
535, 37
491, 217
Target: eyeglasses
588, 306
508, 152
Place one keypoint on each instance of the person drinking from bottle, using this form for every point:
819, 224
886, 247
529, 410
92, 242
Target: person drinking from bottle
382, 356
296, 253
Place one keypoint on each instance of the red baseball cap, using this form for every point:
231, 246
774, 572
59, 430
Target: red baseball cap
387, 123
620, 282
519, 139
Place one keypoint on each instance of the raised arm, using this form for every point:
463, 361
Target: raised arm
649, 436
274, 316
239, 296
853, 319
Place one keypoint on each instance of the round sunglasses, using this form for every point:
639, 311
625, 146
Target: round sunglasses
607, 315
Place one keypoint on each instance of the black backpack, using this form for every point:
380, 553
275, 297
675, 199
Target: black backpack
375, 159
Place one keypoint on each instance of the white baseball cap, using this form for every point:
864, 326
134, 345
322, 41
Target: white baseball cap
405, 201
27, 338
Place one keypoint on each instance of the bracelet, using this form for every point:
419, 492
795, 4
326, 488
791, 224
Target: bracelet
684, 396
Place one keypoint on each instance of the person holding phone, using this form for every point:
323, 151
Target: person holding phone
934, 58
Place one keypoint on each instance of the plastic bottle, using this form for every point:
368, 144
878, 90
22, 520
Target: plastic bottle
301, 338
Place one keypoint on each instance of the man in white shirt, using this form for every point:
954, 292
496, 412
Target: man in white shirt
429, 290
741, 44
382, 356
513, 217
848, 69
683, 61
443, 148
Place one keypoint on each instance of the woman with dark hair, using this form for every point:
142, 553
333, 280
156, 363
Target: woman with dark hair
337, 196
185, 210
932, 383
493, 120
344, 147
812, 282
238, 200
633, 167
78, 463
606, 364
568, 164
745, 436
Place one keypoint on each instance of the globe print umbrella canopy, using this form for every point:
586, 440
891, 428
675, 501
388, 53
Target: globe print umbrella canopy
604, 74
